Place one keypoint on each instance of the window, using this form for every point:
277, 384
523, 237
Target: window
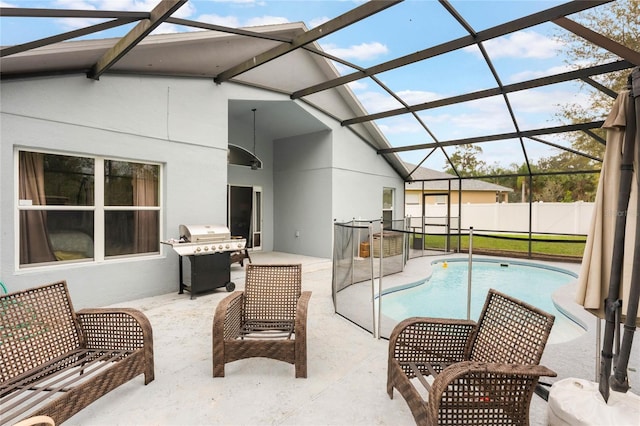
74, 208
387, 207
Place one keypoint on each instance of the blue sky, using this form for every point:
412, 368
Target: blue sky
399, 30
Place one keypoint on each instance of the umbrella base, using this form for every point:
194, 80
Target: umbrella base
577, 402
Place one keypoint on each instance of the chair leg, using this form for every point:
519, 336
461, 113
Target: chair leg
218, 369
218, 354
301, 370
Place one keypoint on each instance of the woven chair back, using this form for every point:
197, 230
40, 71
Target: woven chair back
510, 331
40, 324
271, 292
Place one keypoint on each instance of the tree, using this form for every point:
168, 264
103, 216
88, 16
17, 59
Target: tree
565, 187
465, 161
617, 21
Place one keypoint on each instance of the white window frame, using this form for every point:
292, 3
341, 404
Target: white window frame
388, 209
98, 209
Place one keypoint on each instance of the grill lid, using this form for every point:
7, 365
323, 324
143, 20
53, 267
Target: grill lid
204, 233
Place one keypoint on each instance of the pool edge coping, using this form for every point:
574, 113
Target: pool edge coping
571, 312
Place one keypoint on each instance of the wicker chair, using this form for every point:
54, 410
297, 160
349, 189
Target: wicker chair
457, 372
267, 319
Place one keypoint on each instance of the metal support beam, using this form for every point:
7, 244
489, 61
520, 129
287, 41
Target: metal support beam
365, 10
498, 137
497, 31
226, 30
12, 50
564, 148
157, 16
604, 89
599, 40
524, 85
26, 12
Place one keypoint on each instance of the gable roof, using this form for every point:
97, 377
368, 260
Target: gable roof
202, 54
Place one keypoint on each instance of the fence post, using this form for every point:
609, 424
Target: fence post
469, 272
381, 273
373, 291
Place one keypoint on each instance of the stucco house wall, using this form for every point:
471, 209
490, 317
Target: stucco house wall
182, 124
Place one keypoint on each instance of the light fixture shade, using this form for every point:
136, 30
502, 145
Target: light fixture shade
239, 156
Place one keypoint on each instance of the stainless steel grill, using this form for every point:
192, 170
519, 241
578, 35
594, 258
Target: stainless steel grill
196, 240
207, 272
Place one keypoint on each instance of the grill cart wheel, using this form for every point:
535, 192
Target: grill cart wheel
230, 286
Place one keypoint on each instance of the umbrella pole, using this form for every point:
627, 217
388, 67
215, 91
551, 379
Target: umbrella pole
619, 381
612, 303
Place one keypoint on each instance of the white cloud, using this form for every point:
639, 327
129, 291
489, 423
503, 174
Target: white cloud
468, 124
533, 109
358, 85
184, 11
532, 74
225, 21
168, 29
318, 21
76, 4
265, 20
400, 125
361, 51
545, 101
381, 101
235, 22
377, 101
522, 44
415, 97
128, 5
240, 2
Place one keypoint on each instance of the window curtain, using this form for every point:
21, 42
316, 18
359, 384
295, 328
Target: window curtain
145, 193
35, 245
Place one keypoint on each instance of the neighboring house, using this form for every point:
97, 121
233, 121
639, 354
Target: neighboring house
96, 173
431, 187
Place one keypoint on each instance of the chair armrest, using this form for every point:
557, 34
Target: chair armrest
227, 320
507, 387
118, 329
301, 314
430, 340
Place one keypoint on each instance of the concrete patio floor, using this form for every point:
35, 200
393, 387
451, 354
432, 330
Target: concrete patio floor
346, 382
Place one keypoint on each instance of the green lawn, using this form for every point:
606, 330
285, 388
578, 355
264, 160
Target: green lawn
561, 245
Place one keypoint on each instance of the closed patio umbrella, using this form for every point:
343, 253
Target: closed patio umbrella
607, 270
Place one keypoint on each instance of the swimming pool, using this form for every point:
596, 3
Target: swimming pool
444, 293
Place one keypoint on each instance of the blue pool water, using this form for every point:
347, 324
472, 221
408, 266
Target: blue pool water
444, 294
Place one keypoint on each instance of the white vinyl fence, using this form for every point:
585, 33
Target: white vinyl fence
558, 218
